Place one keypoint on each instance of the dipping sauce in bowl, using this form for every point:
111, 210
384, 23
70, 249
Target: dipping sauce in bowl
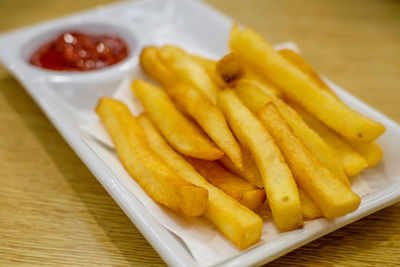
76, 51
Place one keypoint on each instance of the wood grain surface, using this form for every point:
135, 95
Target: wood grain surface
53, 212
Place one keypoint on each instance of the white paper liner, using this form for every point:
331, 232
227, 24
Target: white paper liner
205, 243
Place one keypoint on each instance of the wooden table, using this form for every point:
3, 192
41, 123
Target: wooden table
54, 212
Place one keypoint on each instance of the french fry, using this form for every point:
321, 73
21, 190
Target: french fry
189, 99
156, 178
185, 136
153, 66
189, 71
308, 208
352, 162
249, 170
231, 70
209, 66
302, 65
262, 83
238, 188
333, 197
209, 117
279, 185
236, 222
297, 86
252, 96
371, 152
255, 99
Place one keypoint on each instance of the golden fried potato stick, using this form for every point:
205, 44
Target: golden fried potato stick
209, 66
262, 82
255, 99
185, 136
156, 179
153, 66
279, 185
333, 197
236, 222
238, 188
297, 86
189, 71
308, 208
231, 71
371, 152
353, 163
189, 99
249, 171
209, 117
302, 65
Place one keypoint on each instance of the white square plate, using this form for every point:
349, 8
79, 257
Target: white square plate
69, 99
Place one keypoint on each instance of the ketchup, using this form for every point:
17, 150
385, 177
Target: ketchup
75, 51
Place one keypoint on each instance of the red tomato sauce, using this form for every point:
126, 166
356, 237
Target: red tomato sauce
75, 51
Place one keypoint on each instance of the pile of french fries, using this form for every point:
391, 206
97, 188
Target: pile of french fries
256, 130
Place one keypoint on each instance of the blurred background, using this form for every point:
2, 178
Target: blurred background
54, 212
